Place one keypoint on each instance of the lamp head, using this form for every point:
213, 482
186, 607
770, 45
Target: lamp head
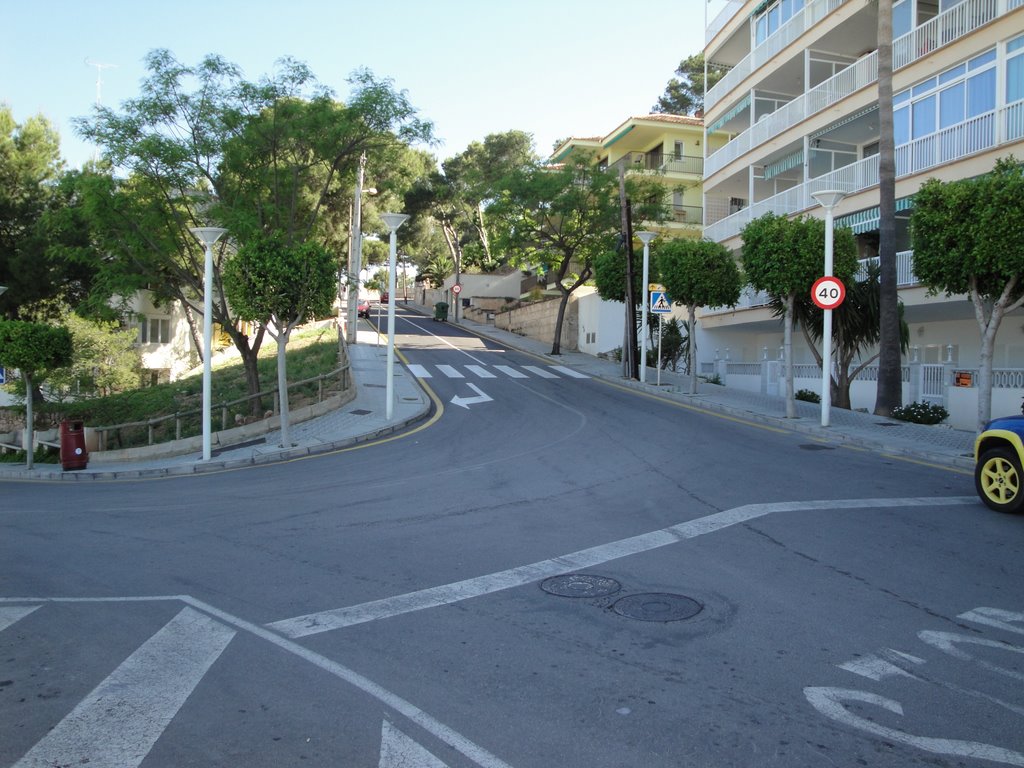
828, 198
646, 237
208, 235
394, 220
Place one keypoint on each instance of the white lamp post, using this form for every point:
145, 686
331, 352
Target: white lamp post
393, 221
3, 289
645, 238
207, 236
827, 199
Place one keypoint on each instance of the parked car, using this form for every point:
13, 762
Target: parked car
363, 308
998, 458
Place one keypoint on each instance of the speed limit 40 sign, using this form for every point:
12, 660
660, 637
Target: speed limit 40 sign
828, 292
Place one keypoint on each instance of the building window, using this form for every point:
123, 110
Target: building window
1015, 70
155, 330
771, 16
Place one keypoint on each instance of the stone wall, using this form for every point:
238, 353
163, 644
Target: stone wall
537, 321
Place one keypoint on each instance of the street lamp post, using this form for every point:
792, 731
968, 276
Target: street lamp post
207, 236
393, 221
645, 238
355, 262
827, 199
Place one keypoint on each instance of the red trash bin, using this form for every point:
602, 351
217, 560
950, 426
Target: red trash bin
73, 453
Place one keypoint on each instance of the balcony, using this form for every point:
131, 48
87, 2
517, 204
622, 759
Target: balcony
942, 30
976, 135
659, 161
788, 33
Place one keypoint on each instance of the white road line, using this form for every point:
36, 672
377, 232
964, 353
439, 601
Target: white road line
542, 372
399, 751
510, 371
570, 372
419, 371
118, 723
11, 614
450, 372
324, 621
482, 372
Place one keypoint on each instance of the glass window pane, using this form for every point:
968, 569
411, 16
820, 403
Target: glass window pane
901, 18
901, 125
901, 97
952, 74
923, 117
981, 93
924, 87
979, 61
1015, 79
1015, 45
951, 105
761, 30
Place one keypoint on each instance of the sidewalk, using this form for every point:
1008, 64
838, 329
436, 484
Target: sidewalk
361, 419
364, 418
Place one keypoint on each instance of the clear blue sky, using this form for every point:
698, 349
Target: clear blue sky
554, 68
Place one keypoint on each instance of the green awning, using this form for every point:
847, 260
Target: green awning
772, 170
740, 106
619, 136
867, 220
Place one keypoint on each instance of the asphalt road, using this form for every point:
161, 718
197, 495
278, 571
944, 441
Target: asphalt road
554, 572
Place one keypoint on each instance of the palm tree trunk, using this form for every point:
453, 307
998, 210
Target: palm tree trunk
889, 393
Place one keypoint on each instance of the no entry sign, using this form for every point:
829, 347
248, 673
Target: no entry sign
828, 292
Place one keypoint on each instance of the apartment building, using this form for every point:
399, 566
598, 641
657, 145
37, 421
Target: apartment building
668, 148
799, 105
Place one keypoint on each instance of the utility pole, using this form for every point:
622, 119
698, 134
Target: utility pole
355, 264
630, 369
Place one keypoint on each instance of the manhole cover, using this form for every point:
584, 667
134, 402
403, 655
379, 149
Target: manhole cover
360, 412
580, 585
813, 447
657, 606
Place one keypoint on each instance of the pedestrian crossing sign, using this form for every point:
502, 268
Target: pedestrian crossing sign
660, 303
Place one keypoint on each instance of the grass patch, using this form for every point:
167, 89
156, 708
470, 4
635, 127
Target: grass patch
311, 352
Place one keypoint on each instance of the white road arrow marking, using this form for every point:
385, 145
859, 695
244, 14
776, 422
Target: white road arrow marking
465, 402
12, 614
399, 751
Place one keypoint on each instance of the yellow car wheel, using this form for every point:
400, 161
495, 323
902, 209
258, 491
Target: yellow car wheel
997, 478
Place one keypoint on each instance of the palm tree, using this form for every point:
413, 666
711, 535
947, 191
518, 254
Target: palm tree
889, 394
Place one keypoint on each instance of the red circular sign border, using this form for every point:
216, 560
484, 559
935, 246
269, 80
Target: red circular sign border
829, 278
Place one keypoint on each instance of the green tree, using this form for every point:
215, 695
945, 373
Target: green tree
35, 349
563, 218
967, 241
280, 286
46, 260
698, 273
783, 257
684, 94
105, 360
201, 146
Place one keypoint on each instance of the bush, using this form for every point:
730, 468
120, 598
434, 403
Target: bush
920, 413
807, 396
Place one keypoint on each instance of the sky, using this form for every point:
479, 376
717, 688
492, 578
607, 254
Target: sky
552, 68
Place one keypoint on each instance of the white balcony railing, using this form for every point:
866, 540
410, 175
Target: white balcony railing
954, 143
905, 276
788, 33
949, 26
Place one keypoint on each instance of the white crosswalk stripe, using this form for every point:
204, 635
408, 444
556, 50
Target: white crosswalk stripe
511, 372
487, 372
542, 372
419, 371
570, 372
117, 724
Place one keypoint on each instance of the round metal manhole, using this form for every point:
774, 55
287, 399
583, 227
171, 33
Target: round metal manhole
657, 606
580, 585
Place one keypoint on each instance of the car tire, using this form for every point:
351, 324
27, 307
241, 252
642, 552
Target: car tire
998, 477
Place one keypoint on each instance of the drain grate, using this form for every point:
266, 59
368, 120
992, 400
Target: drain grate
360, 412
580, 585
657, 606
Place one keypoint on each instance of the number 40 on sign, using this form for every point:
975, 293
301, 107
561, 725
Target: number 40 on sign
828, 292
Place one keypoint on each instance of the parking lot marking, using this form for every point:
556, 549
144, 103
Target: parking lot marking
432, 597
117, 724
